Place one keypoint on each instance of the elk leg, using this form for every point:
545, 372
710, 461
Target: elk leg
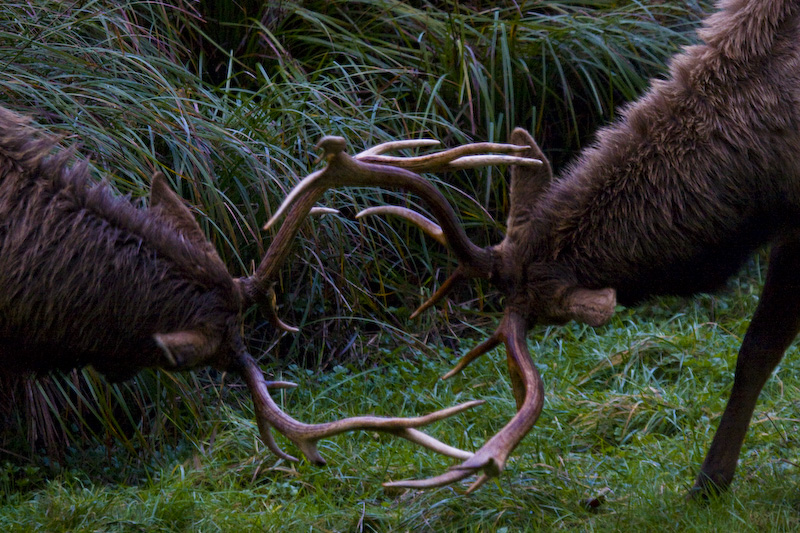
773, 328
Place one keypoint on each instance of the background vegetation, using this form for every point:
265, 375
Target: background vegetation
229, 99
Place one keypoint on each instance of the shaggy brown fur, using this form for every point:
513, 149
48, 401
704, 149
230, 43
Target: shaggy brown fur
87, 279
699, 173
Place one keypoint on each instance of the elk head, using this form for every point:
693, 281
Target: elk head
504, 265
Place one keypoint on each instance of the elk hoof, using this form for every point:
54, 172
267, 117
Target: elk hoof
707, 487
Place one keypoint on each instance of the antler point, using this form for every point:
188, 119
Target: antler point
332, 144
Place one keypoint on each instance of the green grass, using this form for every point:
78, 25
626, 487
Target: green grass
630, 410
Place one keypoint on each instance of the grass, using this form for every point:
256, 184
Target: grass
630, 410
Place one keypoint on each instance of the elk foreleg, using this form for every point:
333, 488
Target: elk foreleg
775, 324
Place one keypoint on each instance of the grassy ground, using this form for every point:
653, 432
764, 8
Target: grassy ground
630, 410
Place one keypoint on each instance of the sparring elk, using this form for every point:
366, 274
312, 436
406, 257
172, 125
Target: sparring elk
694, 177
88, 279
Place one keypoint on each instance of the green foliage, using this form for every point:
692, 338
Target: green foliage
553, 66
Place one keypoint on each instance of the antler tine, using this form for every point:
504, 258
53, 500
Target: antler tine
271, 310
529, 393
446, 287
431, 228
473, 155
319, 211
482, 348
393, 146
305, 436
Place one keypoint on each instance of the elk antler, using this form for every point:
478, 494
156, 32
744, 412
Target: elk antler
473, 262
305, 436
529, 395
371, 168
367, 168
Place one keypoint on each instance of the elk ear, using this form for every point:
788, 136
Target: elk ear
170, 207
592, 307
527, 183
186, 349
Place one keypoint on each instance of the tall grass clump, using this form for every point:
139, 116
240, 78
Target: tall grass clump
229, 99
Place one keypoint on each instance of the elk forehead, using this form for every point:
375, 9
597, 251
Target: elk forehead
546, 294
535, 285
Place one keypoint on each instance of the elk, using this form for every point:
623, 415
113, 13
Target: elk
86, 278
671, 199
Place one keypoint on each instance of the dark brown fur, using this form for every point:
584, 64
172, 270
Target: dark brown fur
699, 173
87, 279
